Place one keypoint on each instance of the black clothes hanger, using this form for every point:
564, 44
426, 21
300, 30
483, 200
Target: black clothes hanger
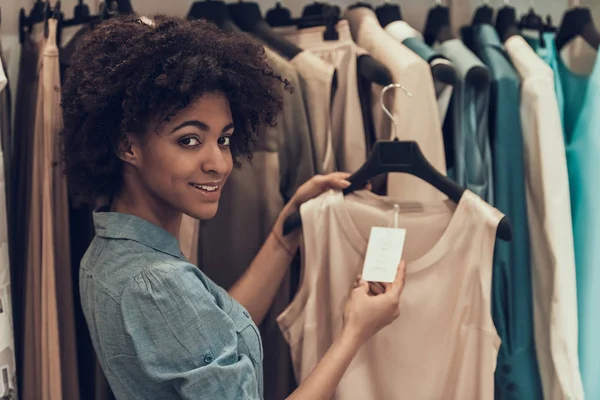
26, 22
81, 16
388, 13
399, 156
314, 9
214, 11
549, 26
533, 22
506, 23
373, 71
52, 12
360, 4
247, 16
437, 25
279, 16
577, 22
483, 15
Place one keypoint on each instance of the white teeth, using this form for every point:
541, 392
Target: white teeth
208, 188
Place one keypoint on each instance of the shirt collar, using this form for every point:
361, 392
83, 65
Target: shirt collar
116, 225
486, 35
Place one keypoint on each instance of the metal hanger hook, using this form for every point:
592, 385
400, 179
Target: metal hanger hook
438, 2
385, 109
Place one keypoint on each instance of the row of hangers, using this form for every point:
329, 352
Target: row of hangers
41, 11
576, 22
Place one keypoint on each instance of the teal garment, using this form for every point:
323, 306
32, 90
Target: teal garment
422, 49
517, 373
469, 131
160, 327
579, 101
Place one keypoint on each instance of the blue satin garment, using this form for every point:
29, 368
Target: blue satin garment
579, 101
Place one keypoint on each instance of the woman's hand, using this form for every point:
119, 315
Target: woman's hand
366, 313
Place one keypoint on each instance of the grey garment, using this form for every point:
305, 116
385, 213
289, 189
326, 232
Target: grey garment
469, 131
317, 78
160, 327
296, 160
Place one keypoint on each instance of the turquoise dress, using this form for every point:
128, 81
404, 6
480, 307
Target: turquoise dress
517, 374
579, 101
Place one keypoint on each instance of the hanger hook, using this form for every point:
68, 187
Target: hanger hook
385, 109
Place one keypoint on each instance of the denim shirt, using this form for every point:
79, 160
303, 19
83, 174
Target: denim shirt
160, 327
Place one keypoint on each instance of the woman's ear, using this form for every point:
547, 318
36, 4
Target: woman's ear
128, 149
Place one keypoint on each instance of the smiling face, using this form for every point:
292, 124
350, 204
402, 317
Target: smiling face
182, 165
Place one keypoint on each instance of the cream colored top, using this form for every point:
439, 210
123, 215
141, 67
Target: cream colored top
550, 226
444, 344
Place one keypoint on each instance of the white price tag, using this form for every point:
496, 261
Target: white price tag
384, 253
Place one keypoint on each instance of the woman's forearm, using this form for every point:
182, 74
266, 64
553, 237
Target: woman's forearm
257, 287
324, 379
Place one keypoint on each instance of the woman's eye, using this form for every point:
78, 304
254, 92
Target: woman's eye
190, 141
225, 141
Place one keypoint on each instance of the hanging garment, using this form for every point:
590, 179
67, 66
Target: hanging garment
401, 30
21, 183
517, 374
250, 203
550, 227
469, 131
316, 79
443, 91
8, 372
348, 136
577, 95
417, 116
444, 344
50, 368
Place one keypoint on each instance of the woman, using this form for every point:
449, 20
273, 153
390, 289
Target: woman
156, 113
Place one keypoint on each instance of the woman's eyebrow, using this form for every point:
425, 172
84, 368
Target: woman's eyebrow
200, 125
195, 123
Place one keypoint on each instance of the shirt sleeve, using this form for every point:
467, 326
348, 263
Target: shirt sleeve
183, 339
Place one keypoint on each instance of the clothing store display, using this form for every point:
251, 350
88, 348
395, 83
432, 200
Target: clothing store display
512, 308
469, 131
135, 275
496, 140
348, 136
577, 95
444, 343
417, 115
550, 227
316, 78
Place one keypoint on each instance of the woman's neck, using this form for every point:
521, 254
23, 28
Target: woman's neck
149, 208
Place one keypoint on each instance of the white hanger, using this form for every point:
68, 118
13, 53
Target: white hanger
384, 108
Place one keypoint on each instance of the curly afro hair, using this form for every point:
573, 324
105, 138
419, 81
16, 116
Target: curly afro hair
131, 70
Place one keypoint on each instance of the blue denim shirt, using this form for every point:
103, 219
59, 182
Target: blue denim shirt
160, 327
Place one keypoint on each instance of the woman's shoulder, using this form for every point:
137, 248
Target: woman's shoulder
167, 282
